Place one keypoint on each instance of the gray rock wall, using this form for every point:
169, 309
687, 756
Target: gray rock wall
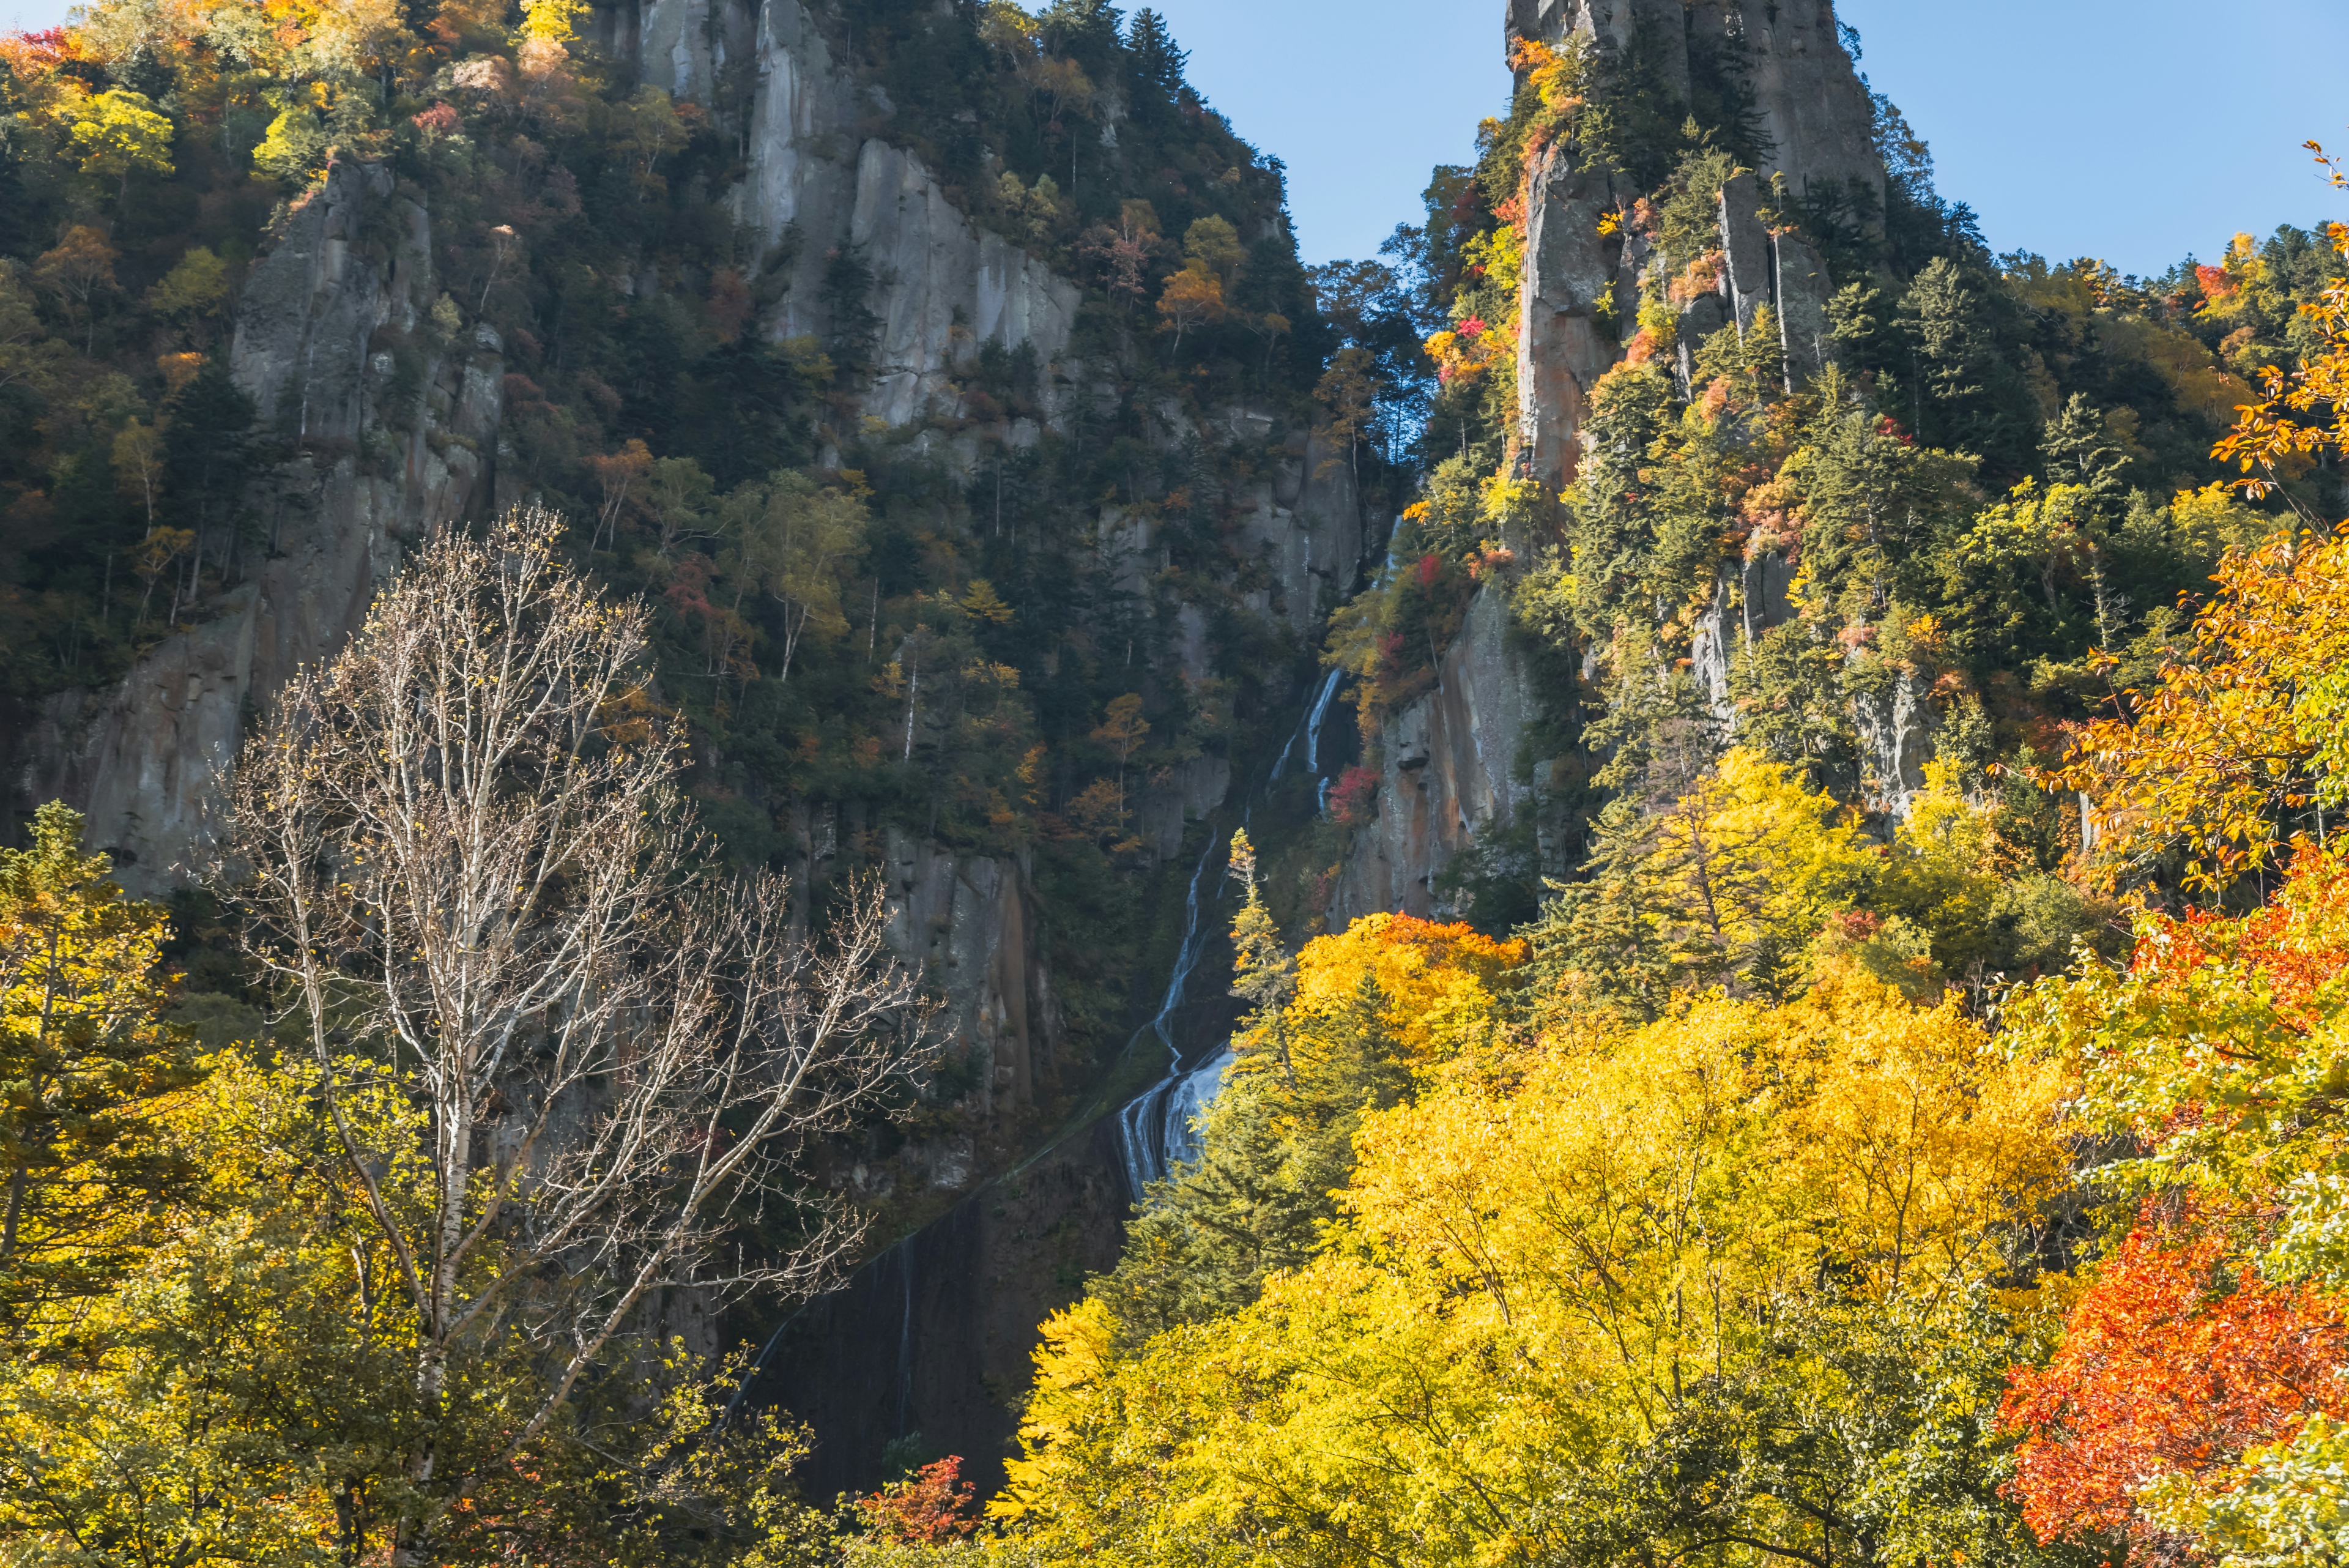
142, 759
1449, 760
971, 921
817, 184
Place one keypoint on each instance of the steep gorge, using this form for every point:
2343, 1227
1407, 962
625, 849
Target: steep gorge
396, 419
928, 316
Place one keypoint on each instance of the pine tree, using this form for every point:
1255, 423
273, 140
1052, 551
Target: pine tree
1157, 65
2080, 451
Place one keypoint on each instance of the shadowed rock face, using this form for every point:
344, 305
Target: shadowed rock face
935, 1336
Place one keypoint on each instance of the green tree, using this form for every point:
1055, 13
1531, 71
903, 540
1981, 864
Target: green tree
796, 538
196, 287
28, 356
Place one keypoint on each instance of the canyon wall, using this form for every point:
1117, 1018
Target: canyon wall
331, 327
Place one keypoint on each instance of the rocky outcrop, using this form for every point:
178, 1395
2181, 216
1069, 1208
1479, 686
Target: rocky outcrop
1304, 525
971, 921
352, 271
1895, 724
1569, 272
1449, 760
1815, 111
821, 187
1820, 126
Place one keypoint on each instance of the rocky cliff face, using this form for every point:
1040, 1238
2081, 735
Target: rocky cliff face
1448, 774
1454, 768
393, 428
348, 288
825, 180
1821, 126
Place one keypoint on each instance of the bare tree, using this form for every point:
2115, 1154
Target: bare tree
557, 1055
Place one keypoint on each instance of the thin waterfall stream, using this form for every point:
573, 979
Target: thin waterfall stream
1158, 1130
888, 1309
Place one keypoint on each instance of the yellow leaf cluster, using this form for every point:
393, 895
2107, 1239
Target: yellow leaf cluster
1532, 1266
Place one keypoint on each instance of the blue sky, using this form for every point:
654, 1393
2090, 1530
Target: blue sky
2133, 130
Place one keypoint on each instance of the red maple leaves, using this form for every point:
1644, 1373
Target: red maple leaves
931, 1506
2173, 1363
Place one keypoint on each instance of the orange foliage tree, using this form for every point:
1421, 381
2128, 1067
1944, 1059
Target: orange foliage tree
2210, 1348
2172, 1366
2240, 741
2306, 412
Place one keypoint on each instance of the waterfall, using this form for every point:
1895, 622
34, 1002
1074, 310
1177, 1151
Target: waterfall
1313, 725
1153, 1131
1158, 1129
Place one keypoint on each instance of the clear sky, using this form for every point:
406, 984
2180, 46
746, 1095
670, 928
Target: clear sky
2133, 130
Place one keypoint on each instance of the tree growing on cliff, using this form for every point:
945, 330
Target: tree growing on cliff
557, 1057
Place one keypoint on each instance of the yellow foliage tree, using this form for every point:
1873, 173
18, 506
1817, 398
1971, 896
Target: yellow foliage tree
2306, 412
796, 537
1122, 730
1729, 883
1193, 298
119, 133
241, 1383
83, 1056
77, 273
1713, 1291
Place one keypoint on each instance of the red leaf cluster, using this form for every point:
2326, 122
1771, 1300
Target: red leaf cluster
2170, 1365
1350, 797
931, 1506
2293, 943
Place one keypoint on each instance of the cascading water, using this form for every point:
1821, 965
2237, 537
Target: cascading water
1158, 1130
1313, 725
1153, 1131
906, 1340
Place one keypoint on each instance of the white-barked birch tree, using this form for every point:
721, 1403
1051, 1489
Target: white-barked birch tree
561, 1057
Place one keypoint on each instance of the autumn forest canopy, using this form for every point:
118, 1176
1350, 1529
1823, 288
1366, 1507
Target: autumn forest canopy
1880, 1097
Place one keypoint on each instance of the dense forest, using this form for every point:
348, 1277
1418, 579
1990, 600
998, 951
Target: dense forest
1766, 1150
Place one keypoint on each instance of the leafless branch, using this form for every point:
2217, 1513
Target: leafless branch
557, 1051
